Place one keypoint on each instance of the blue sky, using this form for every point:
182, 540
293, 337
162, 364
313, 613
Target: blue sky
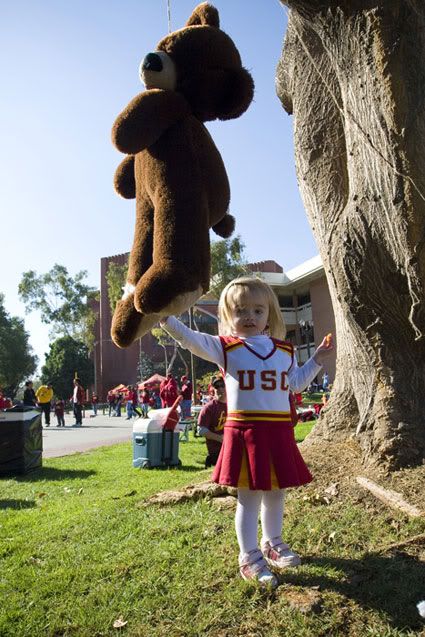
68, 69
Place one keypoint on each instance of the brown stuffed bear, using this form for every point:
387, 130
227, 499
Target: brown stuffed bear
175, 171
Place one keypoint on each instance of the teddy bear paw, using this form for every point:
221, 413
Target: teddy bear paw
128, 324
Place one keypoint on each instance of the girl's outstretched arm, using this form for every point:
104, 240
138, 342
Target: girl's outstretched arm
203, 345
300, 377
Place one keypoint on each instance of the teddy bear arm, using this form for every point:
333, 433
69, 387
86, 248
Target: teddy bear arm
140, 258
124, 181
146, 118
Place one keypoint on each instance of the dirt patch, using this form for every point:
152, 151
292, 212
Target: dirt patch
306, 600
335, 467
192, 492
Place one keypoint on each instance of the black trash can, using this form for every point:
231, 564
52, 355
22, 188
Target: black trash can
21, 440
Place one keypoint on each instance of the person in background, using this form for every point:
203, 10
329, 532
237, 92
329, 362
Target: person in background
162, 391
129, 404
78, 401
169, 392
136, 401
132, 402
60, 412
117, 405
44, 395
325, 381
111, 401
30, 399
211, 421
94, 402
5, 403
155, 400
186, 392
145, 400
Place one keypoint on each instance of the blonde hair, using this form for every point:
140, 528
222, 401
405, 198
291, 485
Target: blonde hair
234, 293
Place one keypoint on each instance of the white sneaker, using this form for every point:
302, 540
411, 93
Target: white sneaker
252, 566
279, 555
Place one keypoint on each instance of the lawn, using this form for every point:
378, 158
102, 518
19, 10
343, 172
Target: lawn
79, 551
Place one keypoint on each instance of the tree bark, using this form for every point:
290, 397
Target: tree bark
352, 74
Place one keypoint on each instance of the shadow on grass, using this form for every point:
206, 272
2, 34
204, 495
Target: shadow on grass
392, 584
184, 467
51, 473
17, 504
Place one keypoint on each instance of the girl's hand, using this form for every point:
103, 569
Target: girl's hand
163, 321
324, 349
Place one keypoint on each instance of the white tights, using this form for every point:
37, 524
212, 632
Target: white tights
246, 520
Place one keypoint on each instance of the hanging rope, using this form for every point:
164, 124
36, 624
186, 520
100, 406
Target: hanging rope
169, 16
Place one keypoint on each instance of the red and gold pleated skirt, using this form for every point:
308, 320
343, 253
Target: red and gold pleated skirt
259, 452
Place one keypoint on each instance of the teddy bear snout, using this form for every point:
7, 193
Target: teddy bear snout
157, 70
152, 62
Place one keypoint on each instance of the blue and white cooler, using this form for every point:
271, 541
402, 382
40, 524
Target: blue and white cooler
156, 439
21, 440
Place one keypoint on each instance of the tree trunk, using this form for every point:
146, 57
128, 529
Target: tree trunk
352, 74
185, 365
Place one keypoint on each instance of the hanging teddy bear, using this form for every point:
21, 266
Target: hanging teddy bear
174, 170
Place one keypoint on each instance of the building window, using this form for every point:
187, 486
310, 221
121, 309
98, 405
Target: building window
291, 336
285, 301
304, 299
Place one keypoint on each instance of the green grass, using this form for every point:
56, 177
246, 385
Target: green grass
78, 551
303, 429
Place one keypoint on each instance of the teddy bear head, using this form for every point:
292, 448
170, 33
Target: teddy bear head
202, 63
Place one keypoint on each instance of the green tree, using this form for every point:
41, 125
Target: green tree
67, 356
62, 300
16, 359
227, 263
145, 367
115, 278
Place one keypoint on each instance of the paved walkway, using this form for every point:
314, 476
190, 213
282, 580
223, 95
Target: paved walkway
96, 432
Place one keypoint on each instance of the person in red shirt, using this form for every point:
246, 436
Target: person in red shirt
136, 401
111, 401
94, 401
145, 402
60, 412
211, 421
5, 403
169, 392
186, 393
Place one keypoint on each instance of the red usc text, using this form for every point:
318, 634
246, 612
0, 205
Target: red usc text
269, 380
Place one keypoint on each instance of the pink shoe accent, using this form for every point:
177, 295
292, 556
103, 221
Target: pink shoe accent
252, 566
279, 555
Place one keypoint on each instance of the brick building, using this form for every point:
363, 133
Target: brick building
303, 297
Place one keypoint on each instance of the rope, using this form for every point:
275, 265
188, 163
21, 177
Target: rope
169, 16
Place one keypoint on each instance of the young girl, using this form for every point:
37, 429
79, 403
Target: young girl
259, 454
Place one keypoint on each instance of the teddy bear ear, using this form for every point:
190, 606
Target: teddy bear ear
235, 95
204, 14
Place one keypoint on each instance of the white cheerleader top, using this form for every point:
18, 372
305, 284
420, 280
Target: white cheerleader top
258, 371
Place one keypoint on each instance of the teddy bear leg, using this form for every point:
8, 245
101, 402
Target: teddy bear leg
125, 322
128, 324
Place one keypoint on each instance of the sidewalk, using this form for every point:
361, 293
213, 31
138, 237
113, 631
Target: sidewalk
96, 432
